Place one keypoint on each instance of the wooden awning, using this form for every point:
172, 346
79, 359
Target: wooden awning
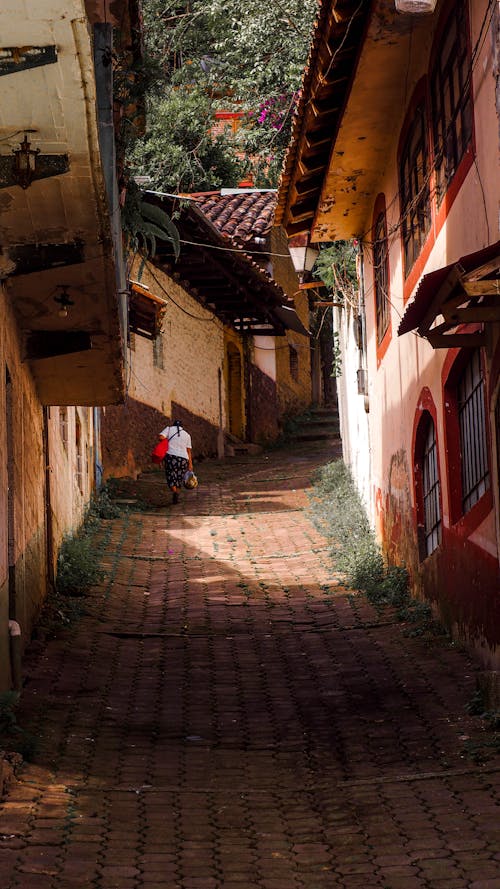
219, 274
454, 303
146, 311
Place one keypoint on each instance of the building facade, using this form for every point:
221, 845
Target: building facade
412, 174
62, 310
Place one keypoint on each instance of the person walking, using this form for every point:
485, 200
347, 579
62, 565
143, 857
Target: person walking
179, 457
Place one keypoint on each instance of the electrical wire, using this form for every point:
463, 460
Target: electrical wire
212, 319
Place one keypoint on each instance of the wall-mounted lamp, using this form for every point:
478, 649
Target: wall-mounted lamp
25, 161
303, 256
64, 301
415, 7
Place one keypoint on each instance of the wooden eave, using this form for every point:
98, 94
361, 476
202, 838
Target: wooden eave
215, 272
359, 96
454, 304
337, 35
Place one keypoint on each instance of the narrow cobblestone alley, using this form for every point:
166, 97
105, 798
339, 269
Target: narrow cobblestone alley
226, 715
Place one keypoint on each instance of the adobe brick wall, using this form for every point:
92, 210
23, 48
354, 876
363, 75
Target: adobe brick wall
27, 491
192, 347
263, 407
130, 431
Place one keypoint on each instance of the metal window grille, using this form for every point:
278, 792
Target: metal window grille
294, 363
431, 491
79, 454
473, 442
381, 276
158, 352
451, 99
63, 425
415, 189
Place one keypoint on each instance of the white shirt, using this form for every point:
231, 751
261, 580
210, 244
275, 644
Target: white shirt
179, 441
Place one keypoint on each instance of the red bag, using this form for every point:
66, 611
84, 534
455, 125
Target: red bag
159, 451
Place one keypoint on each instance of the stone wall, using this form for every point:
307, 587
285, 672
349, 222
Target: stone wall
22, 489
263, 407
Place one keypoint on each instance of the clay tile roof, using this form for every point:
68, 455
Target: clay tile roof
242, 216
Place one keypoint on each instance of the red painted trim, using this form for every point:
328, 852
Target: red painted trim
383, 345
228, 115
453, 366
439, 215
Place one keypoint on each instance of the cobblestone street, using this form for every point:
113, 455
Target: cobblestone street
226, 715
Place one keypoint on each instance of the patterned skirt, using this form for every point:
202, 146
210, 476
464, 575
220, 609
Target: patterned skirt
175, 470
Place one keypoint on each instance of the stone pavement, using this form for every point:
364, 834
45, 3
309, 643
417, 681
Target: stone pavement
227, 716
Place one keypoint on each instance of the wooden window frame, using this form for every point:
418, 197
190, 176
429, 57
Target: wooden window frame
381, 278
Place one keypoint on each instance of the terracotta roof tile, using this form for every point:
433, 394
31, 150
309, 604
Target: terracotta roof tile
241, 216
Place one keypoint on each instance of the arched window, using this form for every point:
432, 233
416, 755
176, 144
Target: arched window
428, 486
381, 275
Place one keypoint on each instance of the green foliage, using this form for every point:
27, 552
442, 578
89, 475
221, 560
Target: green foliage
12, 736
178, 152
78, 564
339, 512
336, 267
217, 54
77, 568
143, 224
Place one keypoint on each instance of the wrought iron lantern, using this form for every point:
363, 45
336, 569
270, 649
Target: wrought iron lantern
64, 300
25, 162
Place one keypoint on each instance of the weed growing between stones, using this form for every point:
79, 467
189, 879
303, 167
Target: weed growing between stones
483, 748
13, 738
78, 559
339, 513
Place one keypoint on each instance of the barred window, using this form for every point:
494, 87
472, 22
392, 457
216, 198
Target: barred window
158, 352
431, 491
473, 441
63, 425
381, 275
415, 190
294, 363
79, 454
451, 98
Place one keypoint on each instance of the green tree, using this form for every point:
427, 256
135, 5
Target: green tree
202, 56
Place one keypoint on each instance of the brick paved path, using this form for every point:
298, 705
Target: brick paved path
226, 716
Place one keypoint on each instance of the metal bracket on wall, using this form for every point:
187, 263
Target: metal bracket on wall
20, 58
47, 165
